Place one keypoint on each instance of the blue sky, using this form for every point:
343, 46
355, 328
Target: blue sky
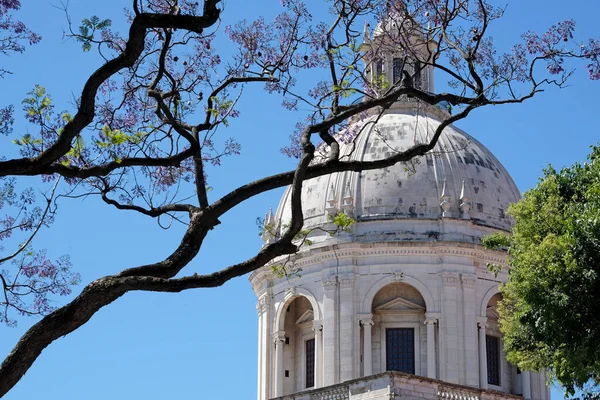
202, 344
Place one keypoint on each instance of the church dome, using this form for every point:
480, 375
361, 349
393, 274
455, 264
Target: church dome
435, 196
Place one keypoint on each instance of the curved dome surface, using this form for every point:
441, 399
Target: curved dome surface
411, 191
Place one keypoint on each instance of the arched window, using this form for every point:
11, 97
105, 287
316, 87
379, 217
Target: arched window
398, 312
299, 346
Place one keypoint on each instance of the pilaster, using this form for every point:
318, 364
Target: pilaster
264, 310
482, 326
470, 348
330, 340
346, 339
449, 327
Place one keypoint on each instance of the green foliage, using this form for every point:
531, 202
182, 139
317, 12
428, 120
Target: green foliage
37, 102
75, 151
342, 221
550, 309
382, 82
285, 270
88, 28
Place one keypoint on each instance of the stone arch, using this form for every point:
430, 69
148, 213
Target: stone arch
430, 304
290, 296
296, 341
486, 299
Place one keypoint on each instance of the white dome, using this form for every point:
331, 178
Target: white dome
411, 191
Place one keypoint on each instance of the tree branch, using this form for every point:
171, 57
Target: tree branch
86, 111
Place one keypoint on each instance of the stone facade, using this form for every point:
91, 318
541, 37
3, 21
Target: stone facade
411, 273
349, 293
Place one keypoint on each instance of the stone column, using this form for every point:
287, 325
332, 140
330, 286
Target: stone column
279, 338
318, 328
526, 383
329, 332
430, 322
367, 323
483, 381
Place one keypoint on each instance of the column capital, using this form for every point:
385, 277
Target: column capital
433, 315
450, 278
468, 281
328, 284
278, 337
263, 303
347, 281
317, 326
364, 317
482, 322
431, 321
367, 321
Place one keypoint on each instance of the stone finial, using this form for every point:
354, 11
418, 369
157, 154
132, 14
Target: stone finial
366, 33
445, 202
465, 202
269, 227
332, 202
348, 201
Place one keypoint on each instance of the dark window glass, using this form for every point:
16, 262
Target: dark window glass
378, 68
397, 70
417, 78
310, 363
400, 349
492, 347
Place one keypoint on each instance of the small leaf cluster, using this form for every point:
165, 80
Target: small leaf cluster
88, 28
342, 221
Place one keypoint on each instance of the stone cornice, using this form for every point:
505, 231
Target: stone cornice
352, 253
350, 250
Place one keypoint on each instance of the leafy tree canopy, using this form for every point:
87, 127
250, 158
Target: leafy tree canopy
549, 313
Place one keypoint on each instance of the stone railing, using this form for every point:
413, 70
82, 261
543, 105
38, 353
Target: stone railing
450, 393
335, 393
398, 385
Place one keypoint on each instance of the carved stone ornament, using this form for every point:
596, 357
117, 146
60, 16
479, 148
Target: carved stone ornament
347, 281
328, 285
445, 203
278, 337
468, 281
482, 322
450, 279
465, 202
332, 206
261, 306
263, 303
398, 276
290, 292
317, 326
367, 321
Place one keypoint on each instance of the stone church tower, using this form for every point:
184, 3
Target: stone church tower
403, 305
